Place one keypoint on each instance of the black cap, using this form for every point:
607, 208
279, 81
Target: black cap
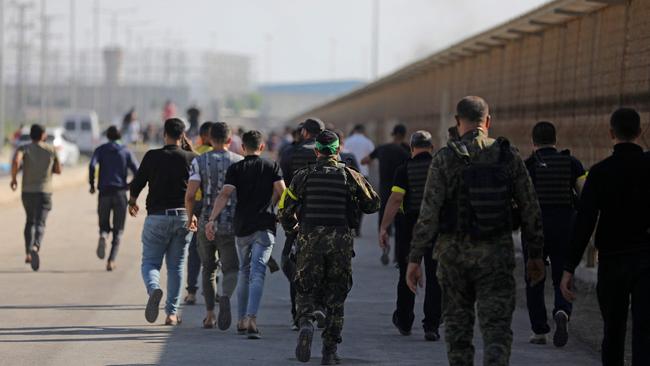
399, 130
421, 138
313, 126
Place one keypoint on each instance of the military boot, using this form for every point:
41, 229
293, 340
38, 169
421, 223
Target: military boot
305, 336
329, 356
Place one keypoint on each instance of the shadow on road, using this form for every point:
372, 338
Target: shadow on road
73, 307
89, 333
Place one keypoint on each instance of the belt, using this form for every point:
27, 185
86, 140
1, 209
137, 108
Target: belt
169, 212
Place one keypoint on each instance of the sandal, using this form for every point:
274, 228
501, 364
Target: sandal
209, 325
170, 321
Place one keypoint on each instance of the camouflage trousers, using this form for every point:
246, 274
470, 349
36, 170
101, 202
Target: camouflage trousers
324, 276
477, 275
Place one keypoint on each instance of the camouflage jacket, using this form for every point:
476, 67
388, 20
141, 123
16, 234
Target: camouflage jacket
361, 194
444, 181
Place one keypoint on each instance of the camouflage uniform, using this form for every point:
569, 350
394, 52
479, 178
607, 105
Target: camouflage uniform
325, 252
475, 269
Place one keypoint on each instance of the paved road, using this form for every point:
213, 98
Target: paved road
73, 312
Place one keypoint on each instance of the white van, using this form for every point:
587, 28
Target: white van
83, 128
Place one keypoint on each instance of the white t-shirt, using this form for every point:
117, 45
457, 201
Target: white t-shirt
360, 146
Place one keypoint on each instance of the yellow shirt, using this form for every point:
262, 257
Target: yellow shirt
201, 150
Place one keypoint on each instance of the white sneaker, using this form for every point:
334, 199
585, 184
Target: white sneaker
538, 339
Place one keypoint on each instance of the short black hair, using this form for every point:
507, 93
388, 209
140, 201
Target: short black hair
472, 109
626, 124
36, 132
359, 128
399, 130
544, 133
113, 134
174, 128
325, 138
204, 130
220, 132
252, 140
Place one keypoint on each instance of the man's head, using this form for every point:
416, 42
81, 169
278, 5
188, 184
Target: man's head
204, 132
311, 127
544, 134
220, 133
253, 142
399, 132
359, 129
113, 134
625, 125
341, 135
421, 141
471, 113
174, 129
37, 133
327, 144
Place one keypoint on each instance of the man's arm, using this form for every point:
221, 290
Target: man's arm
584, 225
368, 159
15, 166
427, 226
531, 214
390, 211
290, 203
219, 204
92, 169
140, 179
192, 188
278, 190
131, 162
56, 167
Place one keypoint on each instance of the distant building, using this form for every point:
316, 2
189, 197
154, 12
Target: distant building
283, 101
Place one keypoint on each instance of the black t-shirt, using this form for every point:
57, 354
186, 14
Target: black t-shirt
166, 170
390, 157
253, 179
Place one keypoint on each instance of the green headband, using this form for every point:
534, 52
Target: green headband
331, 148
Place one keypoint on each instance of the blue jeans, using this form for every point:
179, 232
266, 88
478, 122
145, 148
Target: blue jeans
254, 252
165, 237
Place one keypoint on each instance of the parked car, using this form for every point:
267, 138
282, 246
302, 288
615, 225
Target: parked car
82, 128
66, 150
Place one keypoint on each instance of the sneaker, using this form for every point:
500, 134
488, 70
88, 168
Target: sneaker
329, 356
294, 326
561, 336
431, 335
402, 331
224, 318
36, 259
538, 339
253, 332
320, 316
242, 326
306, 335
153, 305
101, 247
110, 265
190, 299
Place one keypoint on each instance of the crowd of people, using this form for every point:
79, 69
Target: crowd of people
456, 206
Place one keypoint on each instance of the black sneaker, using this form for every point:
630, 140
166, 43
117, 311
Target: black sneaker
305, 336
224, 317
101, 248
153, 305
431, 335
561, 336
330, 357
36, 259
320, 316
402, 331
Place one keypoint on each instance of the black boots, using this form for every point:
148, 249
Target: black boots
329, 356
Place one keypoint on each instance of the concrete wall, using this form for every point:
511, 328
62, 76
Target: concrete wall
574, 74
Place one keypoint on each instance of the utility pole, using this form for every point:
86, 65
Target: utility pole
43, 74
73, 56
374, 62
96, 57
2, 79
22, 26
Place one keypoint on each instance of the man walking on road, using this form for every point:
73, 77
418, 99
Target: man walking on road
407, 192
167, 228
319, 202
557, 177
616, 197
208, 174
39, 161
259, 185
467, 204
193, 258
114, 160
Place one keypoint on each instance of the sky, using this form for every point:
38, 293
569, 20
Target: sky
288, 40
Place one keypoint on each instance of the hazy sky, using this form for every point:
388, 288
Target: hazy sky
291, 40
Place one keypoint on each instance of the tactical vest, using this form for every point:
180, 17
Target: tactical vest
553, 180
484, 206
416, 171
325, 197
302, 156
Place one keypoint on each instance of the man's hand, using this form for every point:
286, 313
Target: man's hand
383, 239
92, 189
414, 277
535, 271
566, 286
13, 185
133, 207
193, 224
210, 230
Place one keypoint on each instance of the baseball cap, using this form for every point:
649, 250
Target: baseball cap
421, 138
313, 126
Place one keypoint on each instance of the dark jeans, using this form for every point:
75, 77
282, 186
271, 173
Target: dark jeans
115, 203
621, 279
406, 298
193, 257
37, 205
557, 232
